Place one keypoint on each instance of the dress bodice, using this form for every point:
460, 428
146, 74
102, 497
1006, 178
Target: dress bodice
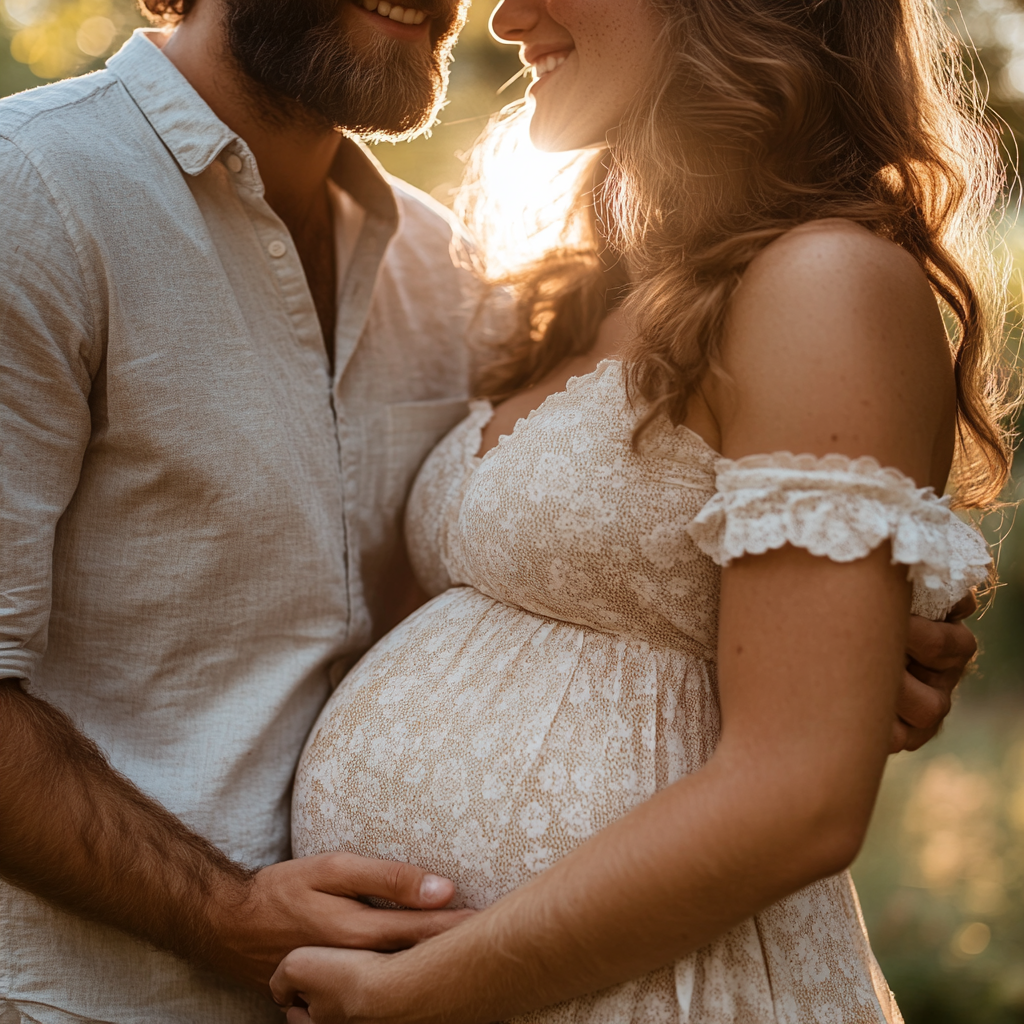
566, 518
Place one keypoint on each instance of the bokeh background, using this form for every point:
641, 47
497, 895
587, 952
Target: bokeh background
942, 874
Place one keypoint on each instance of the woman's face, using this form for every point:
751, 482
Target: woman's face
589, 60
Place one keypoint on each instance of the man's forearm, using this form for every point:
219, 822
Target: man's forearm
80, 835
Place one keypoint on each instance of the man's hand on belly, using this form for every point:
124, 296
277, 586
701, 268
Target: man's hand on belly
78, 834
317, 901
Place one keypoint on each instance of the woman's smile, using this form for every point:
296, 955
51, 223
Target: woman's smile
605, 44
543, 62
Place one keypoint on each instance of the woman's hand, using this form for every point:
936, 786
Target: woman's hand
337, 986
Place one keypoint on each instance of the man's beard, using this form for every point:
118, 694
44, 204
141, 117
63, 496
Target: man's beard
306, 66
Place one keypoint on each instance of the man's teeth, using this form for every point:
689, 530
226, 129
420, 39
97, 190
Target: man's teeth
406, 15
542, 67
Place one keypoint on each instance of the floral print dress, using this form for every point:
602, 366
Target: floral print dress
565, 671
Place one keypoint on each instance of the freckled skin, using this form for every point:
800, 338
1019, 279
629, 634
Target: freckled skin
608, 42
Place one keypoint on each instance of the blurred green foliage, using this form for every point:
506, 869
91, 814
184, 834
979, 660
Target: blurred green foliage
941, 876
51, 39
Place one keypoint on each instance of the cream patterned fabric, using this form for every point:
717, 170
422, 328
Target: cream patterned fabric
563, 674
843, 509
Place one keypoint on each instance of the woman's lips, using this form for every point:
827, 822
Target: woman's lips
548, 62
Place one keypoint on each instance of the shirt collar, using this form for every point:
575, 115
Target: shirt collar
195, 135
186, 125
357, 171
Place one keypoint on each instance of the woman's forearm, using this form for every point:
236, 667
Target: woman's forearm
678, 871
807, 689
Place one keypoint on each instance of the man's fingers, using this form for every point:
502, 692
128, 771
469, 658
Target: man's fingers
916, 739
906, 738
898, 740
940, 646
388, 930
922, 706
298, 1015
344, 874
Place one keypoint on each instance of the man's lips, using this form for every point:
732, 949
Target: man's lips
395, 12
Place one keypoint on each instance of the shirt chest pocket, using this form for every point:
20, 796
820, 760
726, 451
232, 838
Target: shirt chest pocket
411, 431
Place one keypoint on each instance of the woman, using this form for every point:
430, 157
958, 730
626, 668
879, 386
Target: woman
653, 771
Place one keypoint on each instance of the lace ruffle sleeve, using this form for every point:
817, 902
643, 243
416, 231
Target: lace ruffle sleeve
842, 509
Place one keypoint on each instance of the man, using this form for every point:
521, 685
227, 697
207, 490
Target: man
227, 342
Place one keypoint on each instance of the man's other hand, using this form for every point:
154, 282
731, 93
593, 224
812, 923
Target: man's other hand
318, 901
938, 654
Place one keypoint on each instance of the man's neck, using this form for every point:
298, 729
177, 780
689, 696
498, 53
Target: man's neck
293, 159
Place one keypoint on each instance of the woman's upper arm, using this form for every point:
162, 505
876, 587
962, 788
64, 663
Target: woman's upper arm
835, 345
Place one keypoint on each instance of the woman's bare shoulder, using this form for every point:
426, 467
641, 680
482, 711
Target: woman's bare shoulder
834, 335
836, 262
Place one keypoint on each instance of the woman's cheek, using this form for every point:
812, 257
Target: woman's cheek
614, 40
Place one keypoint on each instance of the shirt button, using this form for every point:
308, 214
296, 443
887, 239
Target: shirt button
277, 248
234, 163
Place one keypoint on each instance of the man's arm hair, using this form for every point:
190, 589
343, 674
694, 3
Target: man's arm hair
78, 834
81, 836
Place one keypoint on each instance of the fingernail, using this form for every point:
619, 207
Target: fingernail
433, 887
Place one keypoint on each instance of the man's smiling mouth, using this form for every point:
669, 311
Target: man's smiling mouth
395, 12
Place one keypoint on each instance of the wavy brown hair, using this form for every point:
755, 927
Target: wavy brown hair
763, 115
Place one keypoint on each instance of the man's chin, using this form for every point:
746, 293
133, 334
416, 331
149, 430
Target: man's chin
404, 80
337, 72
398, 84
394, 109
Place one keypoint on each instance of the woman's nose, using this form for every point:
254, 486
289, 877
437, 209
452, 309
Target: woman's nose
511, 20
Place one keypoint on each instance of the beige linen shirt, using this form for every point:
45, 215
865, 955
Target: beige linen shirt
198, 525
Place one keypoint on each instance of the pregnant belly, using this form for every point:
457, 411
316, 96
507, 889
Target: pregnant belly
483, 743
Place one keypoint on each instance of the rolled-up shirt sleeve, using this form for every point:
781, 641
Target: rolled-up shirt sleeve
47, 360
